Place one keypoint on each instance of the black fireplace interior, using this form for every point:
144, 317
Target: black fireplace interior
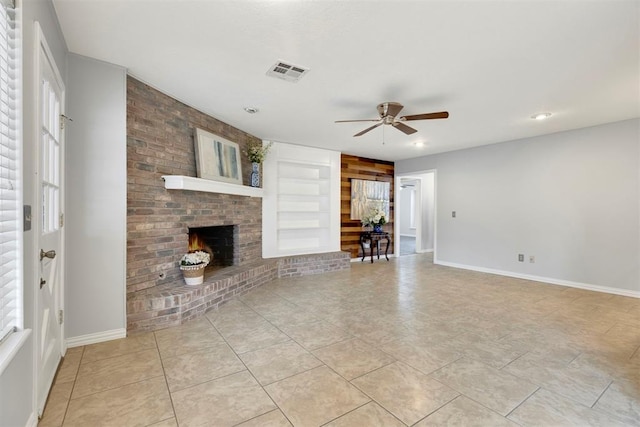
217, 240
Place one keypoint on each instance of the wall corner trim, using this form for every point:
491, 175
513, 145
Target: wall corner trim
549, 280
97, 337
32, 421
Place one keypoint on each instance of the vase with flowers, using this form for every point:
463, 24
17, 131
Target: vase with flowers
375, 218
192, 265
256, 153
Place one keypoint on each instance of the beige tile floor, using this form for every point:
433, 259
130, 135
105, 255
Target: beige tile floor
396, 343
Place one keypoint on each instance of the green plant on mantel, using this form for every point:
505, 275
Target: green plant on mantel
256, 152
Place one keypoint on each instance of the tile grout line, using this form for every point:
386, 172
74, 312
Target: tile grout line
164, 374
439, 407
361, 406
601, 394
249, 370
75, 377
524, 400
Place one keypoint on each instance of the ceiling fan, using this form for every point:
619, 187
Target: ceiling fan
388, 116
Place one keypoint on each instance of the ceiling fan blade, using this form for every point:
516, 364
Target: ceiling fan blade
427, 116
389, 109
363, 120
368, 129
404, 128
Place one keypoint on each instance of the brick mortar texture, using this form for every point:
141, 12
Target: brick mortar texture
160, 141
304, 265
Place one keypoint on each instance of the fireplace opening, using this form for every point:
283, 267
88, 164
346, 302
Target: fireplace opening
218, 241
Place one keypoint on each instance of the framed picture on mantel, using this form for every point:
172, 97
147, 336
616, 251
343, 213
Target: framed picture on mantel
217, 159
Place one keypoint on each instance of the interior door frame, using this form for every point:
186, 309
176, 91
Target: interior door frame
41, 45
419, 223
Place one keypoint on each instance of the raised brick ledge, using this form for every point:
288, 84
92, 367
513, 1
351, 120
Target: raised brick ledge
305, 265
172, 304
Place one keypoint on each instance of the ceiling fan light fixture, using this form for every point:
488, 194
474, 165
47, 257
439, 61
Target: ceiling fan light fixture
541, 116
388, 115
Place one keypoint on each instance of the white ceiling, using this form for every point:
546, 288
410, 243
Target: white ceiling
491, 64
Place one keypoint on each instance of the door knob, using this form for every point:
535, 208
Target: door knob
49, 254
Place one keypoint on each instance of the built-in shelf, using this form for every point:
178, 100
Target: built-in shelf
180, 182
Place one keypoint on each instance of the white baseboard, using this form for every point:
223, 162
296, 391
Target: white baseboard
424, 251
32, 421
550, 280
113, 334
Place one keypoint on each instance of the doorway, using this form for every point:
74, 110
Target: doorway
415, 213
408, 215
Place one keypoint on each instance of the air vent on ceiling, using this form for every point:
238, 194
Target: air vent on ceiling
288, 72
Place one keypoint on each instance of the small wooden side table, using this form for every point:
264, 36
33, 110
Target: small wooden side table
374, 240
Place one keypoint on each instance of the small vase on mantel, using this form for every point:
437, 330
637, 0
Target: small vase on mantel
255, 174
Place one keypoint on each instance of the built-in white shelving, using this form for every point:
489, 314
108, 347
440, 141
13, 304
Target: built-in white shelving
180, 182
301, 204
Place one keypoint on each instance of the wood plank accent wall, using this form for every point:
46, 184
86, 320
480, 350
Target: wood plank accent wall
361, 168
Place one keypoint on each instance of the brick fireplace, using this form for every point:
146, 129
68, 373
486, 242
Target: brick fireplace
160, 134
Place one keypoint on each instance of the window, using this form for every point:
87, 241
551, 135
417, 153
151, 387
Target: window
10, 177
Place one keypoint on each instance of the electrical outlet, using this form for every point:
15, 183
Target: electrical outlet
520, 257
453, 214
532, 259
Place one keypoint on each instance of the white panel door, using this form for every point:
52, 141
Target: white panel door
49, 295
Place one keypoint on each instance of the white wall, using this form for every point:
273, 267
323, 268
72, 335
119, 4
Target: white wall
405, 207
570, 199
96, 201
16, 382
427, 211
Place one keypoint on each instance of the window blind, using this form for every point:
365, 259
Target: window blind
10, 195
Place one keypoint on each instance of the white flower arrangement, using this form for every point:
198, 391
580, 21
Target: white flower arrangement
374, 216
195, 258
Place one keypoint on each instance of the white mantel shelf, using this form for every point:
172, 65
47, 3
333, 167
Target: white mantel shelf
179, 182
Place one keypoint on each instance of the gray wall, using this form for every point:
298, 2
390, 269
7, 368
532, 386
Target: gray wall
16, 382
96, 199
570, 199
